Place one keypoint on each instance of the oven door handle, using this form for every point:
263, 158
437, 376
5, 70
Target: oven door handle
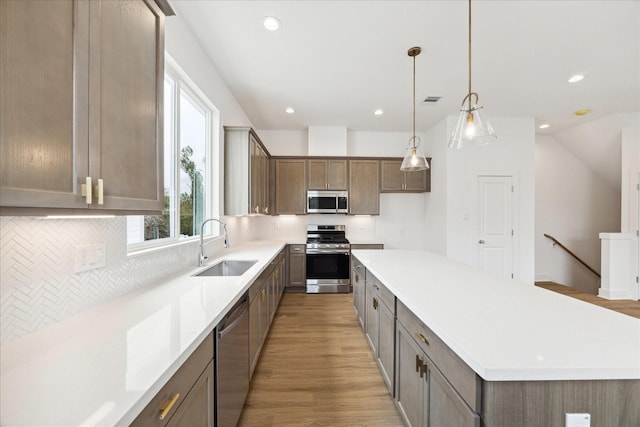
328, 251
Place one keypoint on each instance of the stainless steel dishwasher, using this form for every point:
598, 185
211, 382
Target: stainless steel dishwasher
232, 364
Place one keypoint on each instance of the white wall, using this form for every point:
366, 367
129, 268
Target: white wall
629, 171
435, 215
512, 154
574, 205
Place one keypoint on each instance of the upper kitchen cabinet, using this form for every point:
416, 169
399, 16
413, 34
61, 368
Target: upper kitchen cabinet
393, 180
327, 174
290, 192
246, 173
364, 187
81, 88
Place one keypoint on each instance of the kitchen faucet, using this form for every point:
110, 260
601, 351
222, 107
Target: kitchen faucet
202, 258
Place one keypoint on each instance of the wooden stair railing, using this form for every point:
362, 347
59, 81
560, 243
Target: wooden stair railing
554, 240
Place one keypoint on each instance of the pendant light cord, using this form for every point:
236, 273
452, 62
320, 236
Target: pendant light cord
469, 58
414, 101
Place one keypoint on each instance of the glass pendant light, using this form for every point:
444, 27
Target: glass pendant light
414, 160
472, 127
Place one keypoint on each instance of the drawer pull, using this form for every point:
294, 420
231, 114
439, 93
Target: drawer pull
376, 286
420, 366
422, 338
357, 278
167, 406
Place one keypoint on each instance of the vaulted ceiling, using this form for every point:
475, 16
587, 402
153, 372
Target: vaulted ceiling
335, 62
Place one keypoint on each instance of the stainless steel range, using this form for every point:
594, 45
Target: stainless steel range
328, 259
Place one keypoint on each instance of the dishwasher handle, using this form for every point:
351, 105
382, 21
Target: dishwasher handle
237, 312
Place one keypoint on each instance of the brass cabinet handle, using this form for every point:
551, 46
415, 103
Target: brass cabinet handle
168, 405
262, 294
420, 365
87, 190
100, 192
376, 286
357, 278
422, 338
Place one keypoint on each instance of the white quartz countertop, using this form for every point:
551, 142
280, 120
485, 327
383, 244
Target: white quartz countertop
102, 366
507, 330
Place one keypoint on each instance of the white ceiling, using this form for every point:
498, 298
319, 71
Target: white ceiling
335, 62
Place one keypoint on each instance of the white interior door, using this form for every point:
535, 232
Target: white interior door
495, 227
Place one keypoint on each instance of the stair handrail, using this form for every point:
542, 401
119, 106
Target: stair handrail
577, 258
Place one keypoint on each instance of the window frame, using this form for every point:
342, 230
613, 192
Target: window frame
213, 165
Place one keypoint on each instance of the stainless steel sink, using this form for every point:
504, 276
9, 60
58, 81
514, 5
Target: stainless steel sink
227, 268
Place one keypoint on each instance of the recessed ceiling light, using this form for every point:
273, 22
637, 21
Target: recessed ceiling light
582, 112
576, 78
544, 126
289, 110
378, 112
271, 23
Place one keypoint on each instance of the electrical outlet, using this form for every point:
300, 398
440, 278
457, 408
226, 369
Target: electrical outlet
577, 420
89, 257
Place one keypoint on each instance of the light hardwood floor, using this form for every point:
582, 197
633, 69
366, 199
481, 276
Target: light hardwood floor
316, 369
628, 307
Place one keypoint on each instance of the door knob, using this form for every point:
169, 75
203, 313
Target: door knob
481, 242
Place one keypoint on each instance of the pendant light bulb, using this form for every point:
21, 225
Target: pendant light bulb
413, 159
472, 127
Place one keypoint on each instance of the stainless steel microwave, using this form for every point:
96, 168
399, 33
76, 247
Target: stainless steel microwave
327, 202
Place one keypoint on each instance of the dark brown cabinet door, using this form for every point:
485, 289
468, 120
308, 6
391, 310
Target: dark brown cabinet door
393, 180
327, 174
290, 186
126, 78
43, 148
197, 409
297, 266
364, 187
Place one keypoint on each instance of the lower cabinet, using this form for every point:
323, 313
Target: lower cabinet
258, 317
423, 395
297, 268
187, 398
358, 283
380, 326
264, 298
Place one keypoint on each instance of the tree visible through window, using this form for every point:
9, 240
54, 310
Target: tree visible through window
187, 138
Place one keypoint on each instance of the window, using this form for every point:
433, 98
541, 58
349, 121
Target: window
189, 118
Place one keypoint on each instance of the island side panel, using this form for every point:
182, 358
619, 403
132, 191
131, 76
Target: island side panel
544, 403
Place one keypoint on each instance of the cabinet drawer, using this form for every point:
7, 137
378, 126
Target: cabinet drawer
297, 249
385, 295
181, 382
459, 374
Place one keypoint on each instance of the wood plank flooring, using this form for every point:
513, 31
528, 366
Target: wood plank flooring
316, 369
628, 307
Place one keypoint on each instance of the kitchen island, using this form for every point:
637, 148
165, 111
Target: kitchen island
103, 366
536, 354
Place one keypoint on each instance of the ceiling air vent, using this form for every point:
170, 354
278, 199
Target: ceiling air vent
430, 100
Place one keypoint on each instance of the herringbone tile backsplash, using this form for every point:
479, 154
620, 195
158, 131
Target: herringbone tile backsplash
38, 285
